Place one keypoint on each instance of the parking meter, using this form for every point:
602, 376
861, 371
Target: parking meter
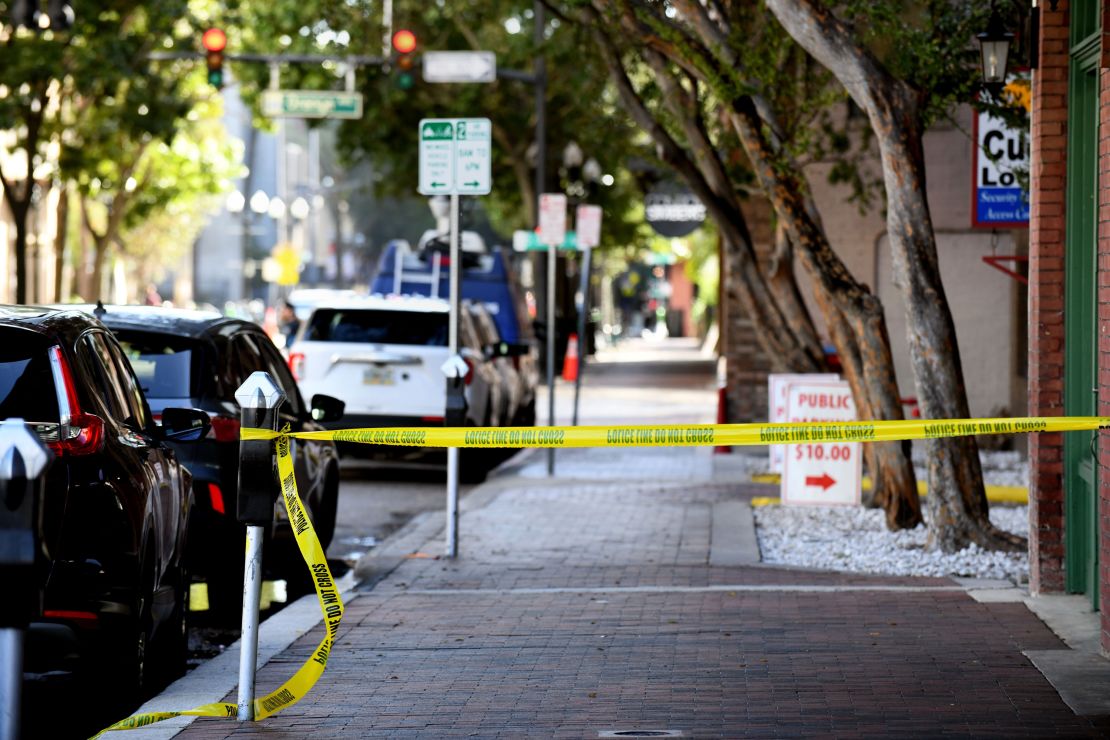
259, 400
455, 413
23, 463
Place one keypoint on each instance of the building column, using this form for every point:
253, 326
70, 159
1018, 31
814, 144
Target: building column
1048, 139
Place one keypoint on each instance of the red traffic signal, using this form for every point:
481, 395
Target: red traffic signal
214, 39
404, 41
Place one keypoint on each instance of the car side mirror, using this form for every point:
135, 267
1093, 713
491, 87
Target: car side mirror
185, 425
327, 408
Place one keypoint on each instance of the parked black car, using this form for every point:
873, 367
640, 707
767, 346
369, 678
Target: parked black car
112, 584
199, 359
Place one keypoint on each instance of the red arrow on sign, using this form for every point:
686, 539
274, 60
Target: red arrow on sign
825, 481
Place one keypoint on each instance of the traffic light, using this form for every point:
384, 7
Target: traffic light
215, 41
404, 48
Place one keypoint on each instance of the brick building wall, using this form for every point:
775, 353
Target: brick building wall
747, 363
1046, 302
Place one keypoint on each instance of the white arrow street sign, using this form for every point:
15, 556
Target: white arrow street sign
460, 66
455, 367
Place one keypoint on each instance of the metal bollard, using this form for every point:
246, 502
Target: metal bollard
23, 463
259, 400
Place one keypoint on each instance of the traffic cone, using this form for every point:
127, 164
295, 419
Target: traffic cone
570, 359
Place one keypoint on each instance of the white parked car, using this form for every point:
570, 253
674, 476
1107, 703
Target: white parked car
383, 357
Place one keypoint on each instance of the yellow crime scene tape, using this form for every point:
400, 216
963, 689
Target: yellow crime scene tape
689, 435
331, 606
670, 435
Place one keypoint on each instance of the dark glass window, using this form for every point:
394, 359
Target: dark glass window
162, 363
26, 381
136, 413
369, 326
108, 392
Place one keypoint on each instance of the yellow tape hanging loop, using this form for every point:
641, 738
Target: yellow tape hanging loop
331, 606
690, 435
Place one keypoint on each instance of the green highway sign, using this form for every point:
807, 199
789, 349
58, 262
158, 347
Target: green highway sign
311, 104
455, 156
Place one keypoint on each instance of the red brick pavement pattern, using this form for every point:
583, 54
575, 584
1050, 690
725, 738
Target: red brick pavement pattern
710, 664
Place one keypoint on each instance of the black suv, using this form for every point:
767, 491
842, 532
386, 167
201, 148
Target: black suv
112, 583
198, 359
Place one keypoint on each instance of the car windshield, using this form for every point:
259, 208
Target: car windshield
26, 381
162, 362
379, 327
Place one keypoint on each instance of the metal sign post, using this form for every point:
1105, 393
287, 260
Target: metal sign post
553, 228
587, 225
455, 155
455, 384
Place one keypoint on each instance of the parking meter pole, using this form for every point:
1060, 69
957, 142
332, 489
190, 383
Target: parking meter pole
248, 638
259, 400
583, 342
454, 385
11, 680
552, 261
23, 463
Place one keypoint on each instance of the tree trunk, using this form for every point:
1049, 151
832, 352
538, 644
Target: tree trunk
957, 501
783, 284
62, 219
20, 219
853, 315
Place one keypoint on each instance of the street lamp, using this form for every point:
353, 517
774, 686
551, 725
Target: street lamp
260, 202
277, 208
994, 50
236, 202
299, 209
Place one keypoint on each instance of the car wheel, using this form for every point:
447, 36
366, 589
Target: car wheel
174, 648
127, 661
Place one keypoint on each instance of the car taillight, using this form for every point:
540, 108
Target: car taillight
78, 433
224, 429
216, 497
471, 369
296, 365
86, 433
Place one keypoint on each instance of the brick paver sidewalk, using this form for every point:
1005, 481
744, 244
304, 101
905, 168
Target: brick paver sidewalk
579, 608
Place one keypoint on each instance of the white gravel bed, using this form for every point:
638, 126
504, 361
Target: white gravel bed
856, 540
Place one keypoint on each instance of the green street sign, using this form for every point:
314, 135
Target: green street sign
311, 104
455, 156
